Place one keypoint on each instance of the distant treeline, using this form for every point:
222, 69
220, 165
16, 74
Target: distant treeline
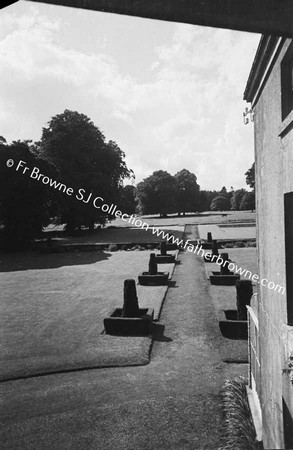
161, 193
52, 180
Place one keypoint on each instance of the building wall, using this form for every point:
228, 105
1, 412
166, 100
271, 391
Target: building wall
274, 177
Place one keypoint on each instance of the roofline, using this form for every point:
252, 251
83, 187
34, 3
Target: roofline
267, 51
271, 17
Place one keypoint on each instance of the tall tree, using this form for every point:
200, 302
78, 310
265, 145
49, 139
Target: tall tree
220, 203
25, 203
223, 192
85, 161
250, 176
248, 201
157, 194
237, 198
230, 193
127, 202
206, 198
187, 192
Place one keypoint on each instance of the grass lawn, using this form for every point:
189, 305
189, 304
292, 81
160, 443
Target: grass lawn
225, 233
193, 218
173, 402
53, 305
117, 234
121, 231
224, 298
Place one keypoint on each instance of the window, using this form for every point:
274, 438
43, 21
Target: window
288, 206
287, 82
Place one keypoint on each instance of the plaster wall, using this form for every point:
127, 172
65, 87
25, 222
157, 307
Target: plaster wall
274, 177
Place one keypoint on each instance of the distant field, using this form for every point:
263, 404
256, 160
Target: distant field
173, 220
119, 235
119, 231
194, 219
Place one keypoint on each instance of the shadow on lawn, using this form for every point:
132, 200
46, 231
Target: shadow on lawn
175, 216
34, 261
112, 235
172, 283
158, 333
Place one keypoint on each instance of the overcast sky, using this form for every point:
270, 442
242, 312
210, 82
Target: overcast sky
170, 95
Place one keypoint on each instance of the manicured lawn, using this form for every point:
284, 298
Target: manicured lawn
194, 218
117, 234
225, 296
54, 305
119, 231
227, 232
173, 402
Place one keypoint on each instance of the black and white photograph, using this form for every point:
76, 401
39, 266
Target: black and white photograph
146, 225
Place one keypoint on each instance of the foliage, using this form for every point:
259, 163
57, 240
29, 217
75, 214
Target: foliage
288, 370
220, 203
248, 201
86, 161
236, 199
72, 151
237, 430
206, 198
187, 191
250, 176
223, 192
127, 203
25, 203
157, 194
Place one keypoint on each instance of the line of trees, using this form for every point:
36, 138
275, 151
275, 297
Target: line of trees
241, 199
161, 193
72, 150
235, 200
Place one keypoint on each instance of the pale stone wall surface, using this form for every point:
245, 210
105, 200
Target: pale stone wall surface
274, 177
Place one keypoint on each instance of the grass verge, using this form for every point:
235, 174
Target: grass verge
237, 431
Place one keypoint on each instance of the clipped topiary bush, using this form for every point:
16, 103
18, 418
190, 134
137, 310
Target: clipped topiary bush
163, 247
244, 292
153, 267
130, 302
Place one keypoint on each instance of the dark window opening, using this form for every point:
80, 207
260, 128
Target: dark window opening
288, 426
287, 82
288, 208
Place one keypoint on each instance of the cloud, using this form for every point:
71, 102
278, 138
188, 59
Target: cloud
39, 74
206, 71
33, 51
184, 111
